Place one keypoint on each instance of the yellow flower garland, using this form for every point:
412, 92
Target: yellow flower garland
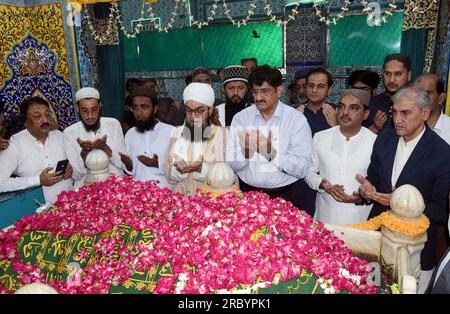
214, 195
411, 228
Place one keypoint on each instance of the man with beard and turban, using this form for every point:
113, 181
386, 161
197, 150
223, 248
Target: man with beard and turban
33, 153
198, 145
92, 132
234, 80
147, 142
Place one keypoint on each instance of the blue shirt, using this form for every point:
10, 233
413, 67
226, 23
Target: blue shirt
317, 120
291, 137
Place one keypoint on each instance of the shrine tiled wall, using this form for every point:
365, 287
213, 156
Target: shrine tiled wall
40, 59
305, 44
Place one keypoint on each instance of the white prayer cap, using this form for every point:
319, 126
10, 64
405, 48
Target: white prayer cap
87, 92
199, 92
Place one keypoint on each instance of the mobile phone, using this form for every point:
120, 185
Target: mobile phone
62, 166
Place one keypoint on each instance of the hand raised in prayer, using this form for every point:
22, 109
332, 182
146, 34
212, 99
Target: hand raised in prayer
184, 167
328, 187
85, 145
100, 143
180, 165
365, 188
48, 179
196, 166
381, 198
379, 119
149, 162
4, 143
340, 196
126, 160
248, 143
330, 114
264, 144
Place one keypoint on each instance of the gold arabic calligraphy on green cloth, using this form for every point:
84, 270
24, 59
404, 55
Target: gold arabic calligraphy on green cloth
56, 254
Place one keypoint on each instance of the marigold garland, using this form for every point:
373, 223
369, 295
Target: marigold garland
214, 195
411, 228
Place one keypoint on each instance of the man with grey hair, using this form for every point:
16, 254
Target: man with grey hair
411, 154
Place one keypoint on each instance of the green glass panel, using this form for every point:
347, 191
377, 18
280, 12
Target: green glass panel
352, 42
212, 47
226, 44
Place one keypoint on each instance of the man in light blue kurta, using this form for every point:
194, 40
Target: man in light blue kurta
270, 143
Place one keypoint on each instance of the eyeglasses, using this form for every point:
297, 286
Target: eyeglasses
264, 91
199, 111
142, 107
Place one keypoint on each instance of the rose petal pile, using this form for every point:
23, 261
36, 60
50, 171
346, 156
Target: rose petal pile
211, 244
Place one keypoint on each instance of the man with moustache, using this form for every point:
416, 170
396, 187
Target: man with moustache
234, 80
396, 74
269, 145
196, 146
92, 132
33, 153
411, 153
339, 153
147, 142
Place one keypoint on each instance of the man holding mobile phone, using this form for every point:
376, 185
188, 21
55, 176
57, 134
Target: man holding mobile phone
32, 154
92, 132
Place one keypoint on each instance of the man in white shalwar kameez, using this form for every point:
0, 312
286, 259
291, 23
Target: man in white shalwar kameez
148, 141
339, 154
92, 132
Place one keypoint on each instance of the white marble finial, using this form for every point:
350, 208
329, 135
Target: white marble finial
220, 178
407, 202
97, 163
36, 288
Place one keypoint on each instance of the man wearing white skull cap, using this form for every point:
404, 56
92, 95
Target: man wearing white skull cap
92, 132
197, 145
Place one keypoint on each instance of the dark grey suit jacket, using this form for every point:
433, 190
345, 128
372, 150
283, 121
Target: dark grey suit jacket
442, 285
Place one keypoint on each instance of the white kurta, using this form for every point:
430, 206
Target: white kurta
109, 127
221, 112
402, 154
291, 139
338, 160
209, 151
26, 157
151, 142
442, 127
